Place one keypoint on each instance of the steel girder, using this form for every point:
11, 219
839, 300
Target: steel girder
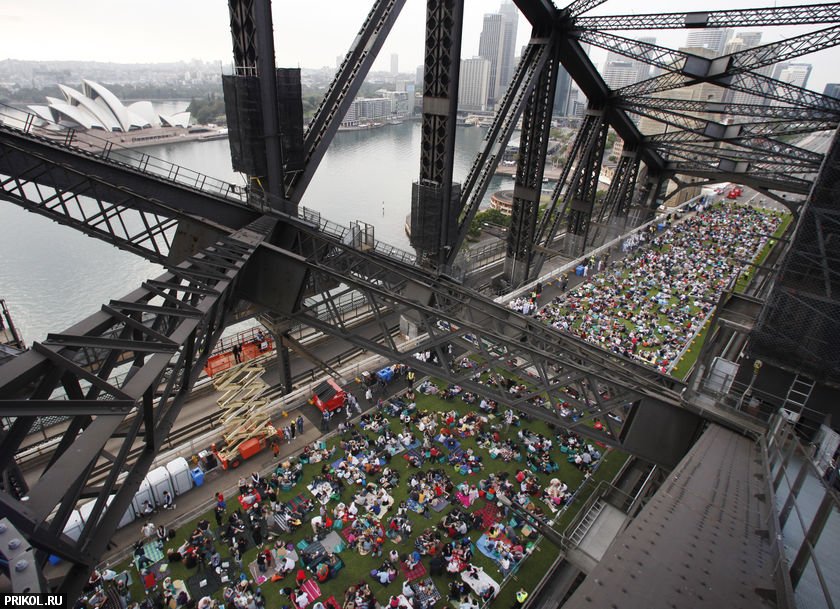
690, 64
342, 91
800, 321
622, 188
497, 137
572, 175
252, 32
705, 107
746, 82
441, 67
783, 15
125, 373
559, 367
527, 190
578, 7
583, 195
84, 195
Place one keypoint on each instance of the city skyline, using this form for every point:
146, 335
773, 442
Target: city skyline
197, 29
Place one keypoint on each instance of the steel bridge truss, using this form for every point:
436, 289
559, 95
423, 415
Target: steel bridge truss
527, 191
123, 375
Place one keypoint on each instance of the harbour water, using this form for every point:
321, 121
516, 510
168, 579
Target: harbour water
52, 276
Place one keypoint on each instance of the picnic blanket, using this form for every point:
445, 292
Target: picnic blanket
448, 442
418, 571
486, 546
439, 504
415, 452
431, 596
296, 502
333, 543
478, 580
322, 491
211, 582
310, 586
414, 506
153, 551
463, 498
489, 515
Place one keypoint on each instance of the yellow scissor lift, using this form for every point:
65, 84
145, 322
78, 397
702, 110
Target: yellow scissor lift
246, 422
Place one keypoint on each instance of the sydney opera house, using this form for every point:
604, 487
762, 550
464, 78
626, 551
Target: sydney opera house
95, 107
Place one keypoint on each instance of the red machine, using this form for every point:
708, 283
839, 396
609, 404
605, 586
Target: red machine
328, 396
734, 193
233, 456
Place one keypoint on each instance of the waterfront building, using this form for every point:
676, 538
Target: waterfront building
496, 45
474, 84
97, 108
502, 201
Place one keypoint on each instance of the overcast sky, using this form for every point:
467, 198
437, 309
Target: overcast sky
308, 33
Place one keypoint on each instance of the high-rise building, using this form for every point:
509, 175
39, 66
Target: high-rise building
489, 46
832, 89
713, 39
418, 77
793, 73
474, 82
510, 20
644, 69
741, 42
561, 92
496, 45
395, 63
621, 73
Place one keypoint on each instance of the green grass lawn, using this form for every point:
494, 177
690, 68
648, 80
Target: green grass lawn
691, 354
357, 568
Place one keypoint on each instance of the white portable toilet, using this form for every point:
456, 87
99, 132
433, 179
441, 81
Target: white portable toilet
87, 508
159, 481
144, 493
179, 475
74, 526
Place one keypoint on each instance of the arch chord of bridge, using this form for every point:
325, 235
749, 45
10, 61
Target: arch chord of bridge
222, 246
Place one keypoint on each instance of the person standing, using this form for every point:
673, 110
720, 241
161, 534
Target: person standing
237, 353
299, 424
293, 429
410, 376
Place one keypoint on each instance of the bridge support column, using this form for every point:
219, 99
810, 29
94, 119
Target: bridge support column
533, 145
434, 198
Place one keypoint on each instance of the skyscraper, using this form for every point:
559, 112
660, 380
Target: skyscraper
713, 39
395, 63
741, 42
832, 89
474, 81
510, 20
496, 45
562, 91
793, 73
621, 73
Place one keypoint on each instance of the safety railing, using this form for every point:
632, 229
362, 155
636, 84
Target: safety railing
91, 144
806, 522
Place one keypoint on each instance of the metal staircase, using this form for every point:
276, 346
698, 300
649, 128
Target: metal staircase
586, 522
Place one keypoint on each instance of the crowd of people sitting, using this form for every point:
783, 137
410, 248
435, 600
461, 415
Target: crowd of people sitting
647, 305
